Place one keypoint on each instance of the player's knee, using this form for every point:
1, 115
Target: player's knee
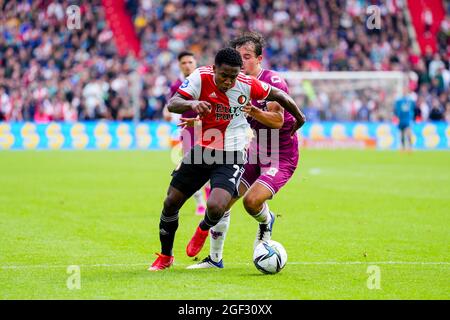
216, 208
252, 203
171, 204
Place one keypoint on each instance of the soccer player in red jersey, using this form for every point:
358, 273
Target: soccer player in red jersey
187, 65
261, 179
218, 94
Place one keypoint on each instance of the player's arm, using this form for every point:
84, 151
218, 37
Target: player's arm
272, 118
166, 114
187, 95
179, 104
189, 122
289, 104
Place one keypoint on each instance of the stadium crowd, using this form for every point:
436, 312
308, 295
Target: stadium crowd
48, 72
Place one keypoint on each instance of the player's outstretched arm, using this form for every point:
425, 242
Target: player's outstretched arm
272, 118
189, 122
289, 104
166, 114
179, 104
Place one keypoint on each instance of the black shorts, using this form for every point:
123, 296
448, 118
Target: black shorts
223, 168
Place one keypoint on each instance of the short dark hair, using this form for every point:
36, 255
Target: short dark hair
184, 54
252, 37
228, 56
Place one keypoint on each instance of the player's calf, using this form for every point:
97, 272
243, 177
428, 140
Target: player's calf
197, 241
168, 222
173, 201
255, 202
216, 206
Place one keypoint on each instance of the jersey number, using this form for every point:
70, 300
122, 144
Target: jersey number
235, 166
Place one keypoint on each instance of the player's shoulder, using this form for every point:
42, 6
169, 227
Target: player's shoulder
205, 70
272, 77
205, 74
198, 77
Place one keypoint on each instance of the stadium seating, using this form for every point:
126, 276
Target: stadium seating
50, 73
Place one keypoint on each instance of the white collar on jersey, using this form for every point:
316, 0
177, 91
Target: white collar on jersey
260, 73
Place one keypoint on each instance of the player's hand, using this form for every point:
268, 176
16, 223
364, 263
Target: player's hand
202, 108
250, 109
166, 114
188, 122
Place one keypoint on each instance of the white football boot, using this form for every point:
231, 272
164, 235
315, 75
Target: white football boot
207, 263
264, 232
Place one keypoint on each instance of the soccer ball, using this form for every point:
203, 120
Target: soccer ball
269, 257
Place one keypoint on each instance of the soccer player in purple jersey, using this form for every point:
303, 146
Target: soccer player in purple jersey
187, 65
261, 179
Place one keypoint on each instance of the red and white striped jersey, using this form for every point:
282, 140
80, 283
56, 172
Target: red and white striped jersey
226, 126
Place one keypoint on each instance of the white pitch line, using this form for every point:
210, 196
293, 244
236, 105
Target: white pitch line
44, 266
47, 266
373, 262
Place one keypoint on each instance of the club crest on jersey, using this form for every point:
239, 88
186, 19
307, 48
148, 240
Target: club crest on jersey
242, 99
265, 86
184, 84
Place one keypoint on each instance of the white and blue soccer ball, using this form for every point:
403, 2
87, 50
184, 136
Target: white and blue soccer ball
269, 257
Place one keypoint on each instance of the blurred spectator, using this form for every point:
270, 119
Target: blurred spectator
437, 111
447, 112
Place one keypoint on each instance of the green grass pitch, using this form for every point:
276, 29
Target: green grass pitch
342, 213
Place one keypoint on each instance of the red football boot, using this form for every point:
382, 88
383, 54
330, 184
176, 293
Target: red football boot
196, 244
161, 263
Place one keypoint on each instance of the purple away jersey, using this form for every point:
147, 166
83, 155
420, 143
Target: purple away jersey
287, 144
187, 144
272, 175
